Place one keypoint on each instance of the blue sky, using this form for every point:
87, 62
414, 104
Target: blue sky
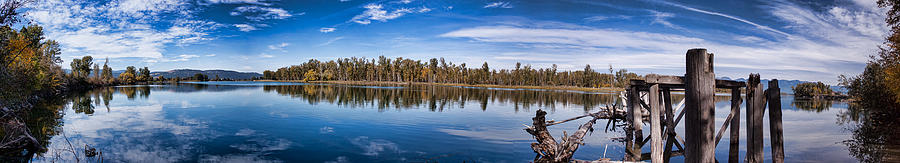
815, 40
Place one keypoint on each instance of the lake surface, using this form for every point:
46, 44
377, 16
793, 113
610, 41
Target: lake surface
296, 122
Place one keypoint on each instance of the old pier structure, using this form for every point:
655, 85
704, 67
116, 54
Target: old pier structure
648, 103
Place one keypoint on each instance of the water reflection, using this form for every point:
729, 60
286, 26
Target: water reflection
438, 98
261, 123
816, 105
875, 137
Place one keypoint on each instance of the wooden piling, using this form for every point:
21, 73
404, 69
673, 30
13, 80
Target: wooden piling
637, 121
735, 138
700, 107
670, 125
656, 152
775, 128
756, 105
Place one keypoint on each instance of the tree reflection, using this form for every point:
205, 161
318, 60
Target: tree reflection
438, 98
817, 105
875, 135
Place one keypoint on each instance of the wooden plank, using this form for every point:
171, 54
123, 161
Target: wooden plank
670, 125
655, 128
699, 106
756, 103
775, 127
735, 139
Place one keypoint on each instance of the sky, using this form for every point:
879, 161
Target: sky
803, 40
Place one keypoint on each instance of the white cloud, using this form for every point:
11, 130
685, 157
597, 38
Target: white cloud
792, 58
660, 18
245, 27
279, 47
179, 58
211, 55
258, 2
257, 13
264, 55
406, 1
126, 28
329, 42
326, 29
766, 28
498, 5
344, 0
379, 13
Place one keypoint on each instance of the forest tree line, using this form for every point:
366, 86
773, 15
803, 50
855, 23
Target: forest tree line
440, 71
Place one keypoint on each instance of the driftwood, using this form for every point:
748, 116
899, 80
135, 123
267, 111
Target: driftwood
16, 135
547, 149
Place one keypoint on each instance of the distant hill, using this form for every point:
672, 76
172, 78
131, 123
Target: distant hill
211, 73
786, 85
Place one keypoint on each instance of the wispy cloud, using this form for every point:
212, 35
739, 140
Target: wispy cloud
179, 58
264, 55
602, 18
326, 29
211, 55
498, 5
279, 47
766, 28
660, 18
120, 28
245, 27
379, 13
258, 2
329, 42
793, 58
257, 13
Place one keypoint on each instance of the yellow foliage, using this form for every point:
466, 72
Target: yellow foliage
892, 80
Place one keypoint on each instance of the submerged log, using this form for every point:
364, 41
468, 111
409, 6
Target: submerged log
547, 149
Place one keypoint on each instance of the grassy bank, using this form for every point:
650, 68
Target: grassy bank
566, 88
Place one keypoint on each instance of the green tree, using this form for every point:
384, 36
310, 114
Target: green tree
811, 89
81, 67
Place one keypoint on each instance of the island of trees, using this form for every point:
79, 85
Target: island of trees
440, 71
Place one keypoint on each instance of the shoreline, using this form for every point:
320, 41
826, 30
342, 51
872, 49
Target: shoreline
563, 88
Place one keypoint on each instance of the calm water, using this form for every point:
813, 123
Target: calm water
293, 122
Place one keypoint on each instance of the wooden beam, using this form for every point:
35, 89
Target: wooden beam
724, 126
700, 107
678, 81
735, 138
775, 127
756, 104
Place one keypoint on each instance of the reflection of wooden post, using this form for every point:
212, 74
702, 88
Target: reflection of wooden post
700, 107
629, 132
670, 125
756, 105
775, 128
734, 147
637, 121
656, 152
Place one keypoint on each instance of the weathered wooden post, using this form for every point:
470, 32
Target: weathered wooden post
700, 107
637, 121
629, 131
775, 128
756, 107
735, 138
656, 152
